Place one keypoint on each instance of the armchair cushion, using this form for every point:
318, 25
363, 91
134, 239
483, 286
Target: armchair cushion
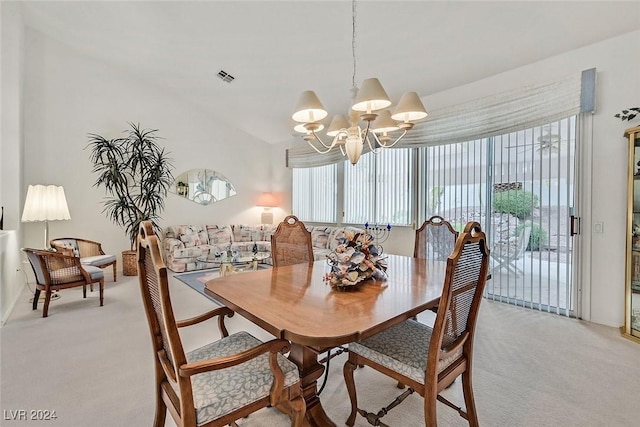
96, 273
217, 393
98, 260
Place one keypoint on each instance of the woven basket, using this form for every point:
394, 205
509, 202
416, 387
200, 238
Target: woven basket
129, 263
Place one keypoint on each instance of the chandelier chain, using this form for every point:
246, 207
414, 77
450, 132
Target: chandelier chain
353, 42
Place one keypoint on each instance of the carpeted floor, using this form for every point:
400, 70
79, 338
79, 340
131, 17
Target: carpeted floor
93, 366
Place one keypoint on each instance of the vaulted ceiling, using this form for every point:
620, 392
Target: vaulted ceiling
277, 49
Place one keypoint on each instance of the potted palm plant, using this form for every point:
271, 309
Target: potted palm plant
136, 173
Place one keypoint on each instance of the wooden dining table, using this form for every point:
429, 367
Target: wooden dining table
296, 304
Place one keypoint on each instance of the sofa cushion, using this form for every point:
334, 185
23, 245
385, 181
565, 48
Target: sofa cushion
320, 236
219, 235
189, 235
247, 233
191, 252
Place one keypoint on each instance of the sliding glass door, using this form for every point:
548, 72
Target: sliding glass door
520, 186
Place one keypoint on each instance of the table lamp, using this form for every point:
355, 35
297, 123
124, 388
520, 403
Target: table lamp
45, 203
267, 201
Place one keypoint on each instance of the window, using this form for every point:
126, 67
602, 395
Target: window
378, 189
314, 193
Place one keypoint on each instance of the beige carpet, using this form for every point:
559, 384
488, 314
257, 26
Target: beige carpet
92, 365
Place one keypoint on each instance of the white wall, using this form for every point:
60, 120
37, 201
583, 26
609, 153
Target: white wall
68, 95
11, 136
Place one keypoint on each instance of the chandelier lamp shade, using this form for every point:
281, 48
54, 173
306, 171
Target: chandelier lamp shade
370, 105
45, 203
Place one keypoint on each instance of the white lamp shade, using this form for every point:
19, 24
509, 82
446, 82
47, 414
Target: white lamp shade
45, 203
371, 96
309, 108
409, 108
384, 123
337, 123
354, 144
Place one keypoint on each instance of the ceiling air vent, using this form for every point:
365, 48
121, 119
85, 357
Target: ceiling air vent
226, 77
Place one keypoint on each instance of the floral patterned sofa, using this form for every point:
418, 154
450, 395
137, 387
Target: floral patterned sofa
182, 245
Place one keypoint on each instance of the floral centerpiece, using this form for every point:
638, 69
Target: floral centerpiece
355, 259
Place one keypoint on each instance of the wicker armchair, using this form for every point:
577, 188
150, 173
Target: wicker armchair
429, 359
89, 252
291, 243
55, 271
220, 382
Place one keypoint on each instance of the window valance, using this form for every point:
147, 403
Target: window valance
499, 114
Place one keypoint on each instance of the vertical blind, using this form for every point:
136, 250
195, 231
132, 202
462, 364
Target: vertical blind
314, 193
378, 189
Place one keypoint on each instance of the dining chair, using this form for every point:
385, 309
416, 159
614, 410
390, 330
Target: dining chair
55, 271
435, 239
89, 252
220, 382
291, 243
429, 359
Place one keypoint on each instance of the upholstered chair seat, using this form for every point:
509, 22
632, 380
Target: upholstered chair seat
395, 348
218, 393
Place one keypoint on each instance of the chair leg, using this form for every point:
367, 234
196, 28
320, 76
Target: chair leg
161, 412
101, 292
467, 389
84, 290
430, 401
115, 275
36, 298
47, 299
347, 371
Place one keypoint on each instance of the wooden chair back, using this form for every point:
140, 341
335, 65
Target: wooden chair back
435, 239
291, 243
451, 347
154, 286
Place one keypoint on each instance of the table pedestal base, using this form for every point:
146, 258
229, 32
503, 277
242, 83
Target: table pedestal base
310, 371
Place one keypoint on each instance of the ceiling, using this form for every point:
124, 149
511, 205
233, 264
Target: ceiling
277, 49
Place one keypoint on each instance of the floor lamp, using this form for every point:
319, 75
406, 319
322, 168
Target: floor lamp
45, 203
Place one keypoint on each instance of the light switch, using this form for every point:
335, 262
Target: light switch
598, 227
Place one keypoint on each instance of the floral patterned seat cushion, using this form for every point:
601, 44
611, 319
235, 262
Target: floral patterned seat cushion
402, 348
219, 235
247, 233
220, 392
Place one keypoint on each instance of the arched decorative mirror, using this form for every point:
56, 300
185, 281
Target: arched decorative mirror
202, 186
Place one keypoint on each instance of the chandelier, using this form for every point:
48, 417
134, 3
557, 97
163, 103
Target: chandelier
369, 105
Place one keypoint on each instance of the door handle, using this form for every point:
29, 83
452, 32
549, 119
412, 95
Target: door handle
575, 225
